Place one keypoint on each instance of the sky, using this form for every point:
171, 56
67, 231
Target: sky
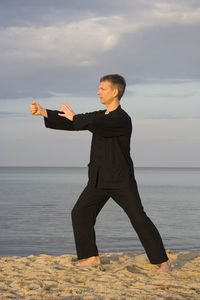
56, 51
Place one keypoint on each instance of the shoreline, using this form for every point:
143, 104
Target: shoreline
122, 275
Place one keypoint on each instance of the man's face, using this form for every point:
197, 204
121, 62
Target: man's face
107, 92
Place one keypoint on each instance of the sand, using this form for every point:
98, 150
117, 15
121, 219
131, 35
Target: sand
121, 276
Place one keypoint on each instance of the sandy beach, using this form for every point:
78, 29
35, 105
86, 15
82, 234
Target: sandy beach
121, 276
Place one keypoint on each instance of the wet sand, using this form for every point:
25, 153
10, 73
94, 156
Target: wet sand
121, 276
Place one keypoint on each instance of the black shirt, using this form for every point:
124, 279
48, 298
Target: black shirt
110, 163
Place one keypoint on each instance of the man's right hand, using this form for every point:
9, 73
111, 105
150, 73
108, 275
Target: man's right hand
37, 110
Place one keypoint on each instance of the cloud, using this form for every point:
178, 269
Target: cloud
164, 95
77, 42
37, 60
175, 12
47, 12
143, 40
64, 44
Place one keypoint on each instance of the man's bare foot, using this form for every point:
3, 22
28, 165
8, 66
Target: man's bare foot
165, 267
93, 260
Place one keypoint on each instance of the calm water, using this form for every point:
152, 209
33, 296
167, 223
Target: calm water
35, 206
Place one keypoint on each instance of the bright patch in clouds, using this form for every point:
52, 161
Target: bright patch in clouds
174, 12
66, 44
78, 43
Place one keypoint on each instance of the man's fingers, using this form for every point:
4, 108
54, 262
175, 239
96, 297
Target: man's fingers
66, 106
34, 103
33, 109
33, 106
62, 109
67, 111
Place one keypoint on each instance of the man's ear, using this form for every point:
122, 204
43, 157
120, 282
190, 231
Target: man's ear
115, 92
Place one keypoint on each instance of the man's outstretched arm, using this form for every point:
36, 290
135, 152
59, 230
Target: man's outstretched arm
51, 117
63, 119
37, 110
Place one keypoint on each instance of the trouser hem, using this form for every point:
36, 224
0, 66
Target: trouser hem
87, 256
158, 262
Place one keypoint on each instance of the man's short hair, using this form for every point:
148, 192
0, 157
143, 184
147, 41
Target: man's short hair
117, 81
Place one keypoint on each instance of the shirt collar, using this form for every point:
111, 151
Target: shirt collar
112, 111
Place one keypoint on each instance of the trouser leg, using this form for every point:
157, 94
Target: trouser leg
84, 214
148, 234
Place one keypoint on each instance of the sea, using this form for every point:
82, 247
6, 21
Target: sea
36, 204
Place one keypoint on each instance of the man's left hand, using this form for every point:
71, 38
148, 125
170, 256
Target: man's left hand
67, 111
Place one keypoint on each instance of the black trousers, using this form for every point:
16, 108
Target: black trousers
90, 203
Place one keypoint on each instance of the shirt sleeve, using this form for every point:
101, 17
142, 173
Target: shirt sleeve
113, 125
80, 121
85, 121
54, 121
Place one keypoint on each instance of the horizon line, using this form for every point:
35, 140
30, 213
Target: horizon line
155, 167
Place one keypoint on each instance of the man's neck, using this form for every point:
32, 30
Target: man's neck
112, 106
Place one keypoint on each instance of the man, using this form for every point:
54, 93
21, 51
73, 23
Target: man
111, 172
